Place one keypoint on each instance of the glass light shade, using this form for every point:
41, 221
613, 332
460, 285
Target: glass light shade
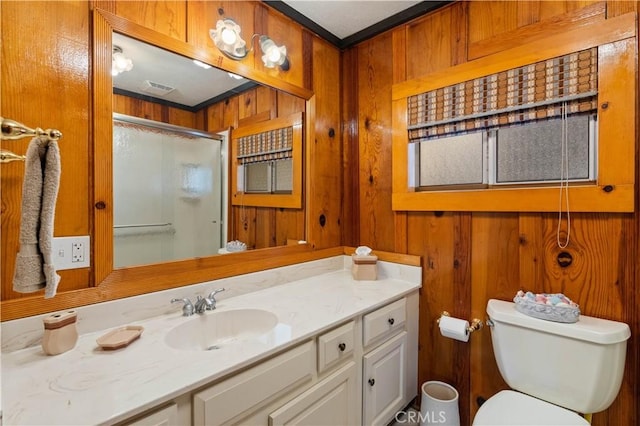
272, 54
226, 37
119, 62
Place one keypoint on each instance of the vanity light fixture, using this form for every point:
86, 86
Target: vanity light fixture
226, 37
119, 62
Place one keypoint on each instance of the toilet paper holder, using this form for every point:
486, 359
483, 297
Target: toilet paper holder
474, 324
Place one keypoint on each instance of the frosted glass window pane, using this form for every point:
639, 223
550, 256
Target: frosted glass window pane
283, 175
453, 160
257, 177
532, 152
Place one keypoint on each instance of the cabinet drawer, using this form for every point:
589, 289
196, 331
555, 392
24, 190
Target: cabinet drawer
384, 321
250, 389
335, 346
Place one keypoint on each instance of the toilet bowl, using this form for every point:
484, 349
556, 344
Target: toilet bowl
555, 370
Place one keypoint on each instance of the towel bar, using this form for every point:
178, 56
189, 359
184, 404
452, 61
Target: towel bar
12, 130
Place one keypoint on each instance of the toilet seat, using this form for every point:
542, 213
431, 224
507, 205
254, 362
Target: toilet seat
514, 408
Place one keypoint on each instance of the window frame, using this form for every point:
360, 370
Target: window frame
614, 188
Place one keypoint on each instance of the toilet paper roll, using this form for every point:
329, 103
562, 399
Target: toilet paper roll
454, 328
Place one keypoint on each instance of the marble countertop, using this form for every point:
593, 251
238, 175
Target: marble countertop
88, 385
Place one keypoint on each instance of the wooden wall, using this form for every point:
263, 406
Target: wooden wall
469, 258
46, 82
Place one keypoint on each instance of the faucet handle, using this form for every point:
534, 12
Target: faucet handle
187, 309
212, 298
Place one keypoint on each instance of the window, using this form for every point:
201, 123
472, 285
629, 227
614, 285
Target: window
522, 154
484, 135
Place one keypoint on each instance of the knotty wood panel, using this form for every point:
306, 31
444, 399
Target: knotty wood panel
325, 152
168, 16
532, 27
350, 140
469, 258
375, 72
437, 41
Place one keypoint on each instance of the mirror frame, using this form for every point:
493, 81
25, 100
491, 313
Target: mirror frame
108, 283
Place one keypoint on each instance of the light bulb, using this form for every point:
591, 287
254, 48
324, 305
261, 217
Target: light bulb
228, 36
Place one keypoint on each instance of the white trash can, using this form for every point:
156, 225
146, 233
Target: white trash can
439, 404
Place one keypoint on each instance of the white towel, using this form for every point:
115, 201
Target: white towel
34, 264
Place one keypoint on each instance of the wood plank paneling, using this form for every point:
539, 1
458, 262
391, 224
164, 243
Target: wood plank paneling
350, 160
326, 150
375, 74
168, 16
436, 41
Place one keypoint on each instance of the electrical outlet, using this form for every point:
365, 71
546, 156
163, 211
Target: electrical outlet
71, 252
77, 252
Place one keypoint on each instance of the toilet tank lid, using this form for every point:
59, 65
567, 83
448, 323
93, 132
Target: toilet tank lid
591, 329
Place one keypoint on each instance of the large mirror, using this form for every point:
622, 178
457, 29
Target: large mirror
162, 166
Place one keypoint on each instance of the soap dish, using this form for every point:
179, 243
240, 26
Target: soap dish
566, 314
119, 338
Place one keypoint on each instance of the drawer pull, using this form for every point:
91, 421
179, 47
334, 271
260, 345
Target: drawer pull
372, 382
391, 321
342, 347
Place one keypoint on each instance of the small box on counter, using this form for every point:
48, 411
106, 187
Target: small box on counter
60, 334
364, 267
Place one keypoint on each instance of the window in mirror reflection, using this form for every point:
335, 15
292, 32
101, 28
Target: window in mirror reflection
167, 190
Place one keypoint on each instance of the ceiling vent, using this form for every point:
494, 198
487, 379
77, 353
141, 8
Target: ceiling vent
156, 89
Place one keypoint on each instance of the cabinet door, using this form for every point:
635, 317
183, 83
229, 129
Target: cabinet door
164, 417
384, 381
330, 402
237, 397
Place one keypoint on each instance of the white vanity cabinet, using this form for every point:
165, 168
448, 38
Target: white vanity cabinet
360, 372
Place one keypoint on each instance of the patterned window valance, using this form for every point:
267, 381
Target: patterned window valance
274, 144
526, 93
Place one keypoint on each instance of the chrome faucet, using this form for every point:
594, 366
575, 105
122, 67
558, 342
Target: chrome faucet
203, 304
187, 309
212, 298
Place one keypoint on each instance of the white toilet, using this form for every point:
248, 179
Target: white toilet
556, 370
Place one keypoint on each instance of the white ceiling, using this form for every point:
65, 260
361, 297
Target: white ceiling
344, 18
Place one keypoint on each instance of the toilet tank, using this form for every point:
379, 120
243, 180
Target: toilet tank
578, 366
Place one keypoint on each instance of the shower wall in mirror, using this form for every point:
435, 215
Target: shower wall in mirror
167, 193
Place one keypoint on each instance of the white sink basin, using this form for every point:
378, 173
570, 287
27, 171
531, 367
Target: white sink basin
213, 330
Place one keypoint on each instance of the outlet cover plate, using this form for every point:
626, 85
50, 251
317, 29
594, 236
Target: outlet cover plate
71, 252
